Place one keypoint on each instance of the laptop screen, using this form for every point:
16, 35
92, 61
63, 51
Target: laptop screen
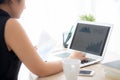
90, 38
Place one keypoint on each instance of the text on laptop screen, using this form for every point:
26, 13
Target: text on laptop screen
90, 38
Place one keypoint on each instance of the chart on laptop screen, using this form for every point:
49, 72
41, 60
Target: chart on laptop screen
90, 38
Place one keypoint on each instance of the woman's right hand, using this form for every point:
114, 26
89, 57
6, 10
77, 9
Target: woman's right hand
77, 55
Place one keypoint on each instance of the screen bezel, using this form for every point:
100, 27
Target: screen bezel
93, 23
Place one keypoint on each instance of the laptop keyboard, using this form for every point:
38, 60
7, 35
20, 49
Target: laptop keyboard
66, 54
87, 60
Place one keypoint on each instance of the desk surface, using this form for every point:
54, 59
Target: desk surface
99, 75
98, 68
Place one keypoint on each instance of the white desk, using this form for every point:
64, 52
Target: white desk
98, 68
99, 75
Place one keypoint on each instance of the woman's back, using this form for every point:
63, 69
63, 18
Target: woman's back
9, 62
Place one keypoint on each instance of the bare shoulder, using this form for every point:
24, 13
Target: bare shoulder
13, 24
14, 33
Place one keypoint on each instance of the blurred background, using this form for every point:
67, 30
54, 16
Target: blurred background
57, 16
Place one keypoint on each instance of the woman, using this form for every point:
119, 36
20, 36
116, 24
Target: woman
15, 47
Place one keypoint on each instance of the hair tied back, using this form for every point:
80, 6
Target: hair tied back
1, 1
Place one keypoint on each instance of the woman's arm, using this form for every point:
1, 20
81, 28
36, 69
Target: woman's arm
18, 41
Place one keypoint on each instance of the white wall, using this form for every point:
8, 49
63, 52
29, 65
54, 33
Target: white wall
108, 11
55, 16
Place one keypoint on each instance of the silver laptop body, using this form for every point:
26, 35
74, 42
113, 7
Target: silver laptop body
91, 38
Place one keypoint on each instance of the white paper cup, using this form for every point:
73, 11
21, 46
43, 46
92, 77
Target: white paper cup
71, 68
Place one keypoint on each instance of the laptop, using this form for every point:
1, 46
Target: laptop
91, 38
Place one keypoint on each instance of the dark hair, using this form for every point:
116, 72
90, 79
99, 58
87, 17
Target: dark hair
2, 1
